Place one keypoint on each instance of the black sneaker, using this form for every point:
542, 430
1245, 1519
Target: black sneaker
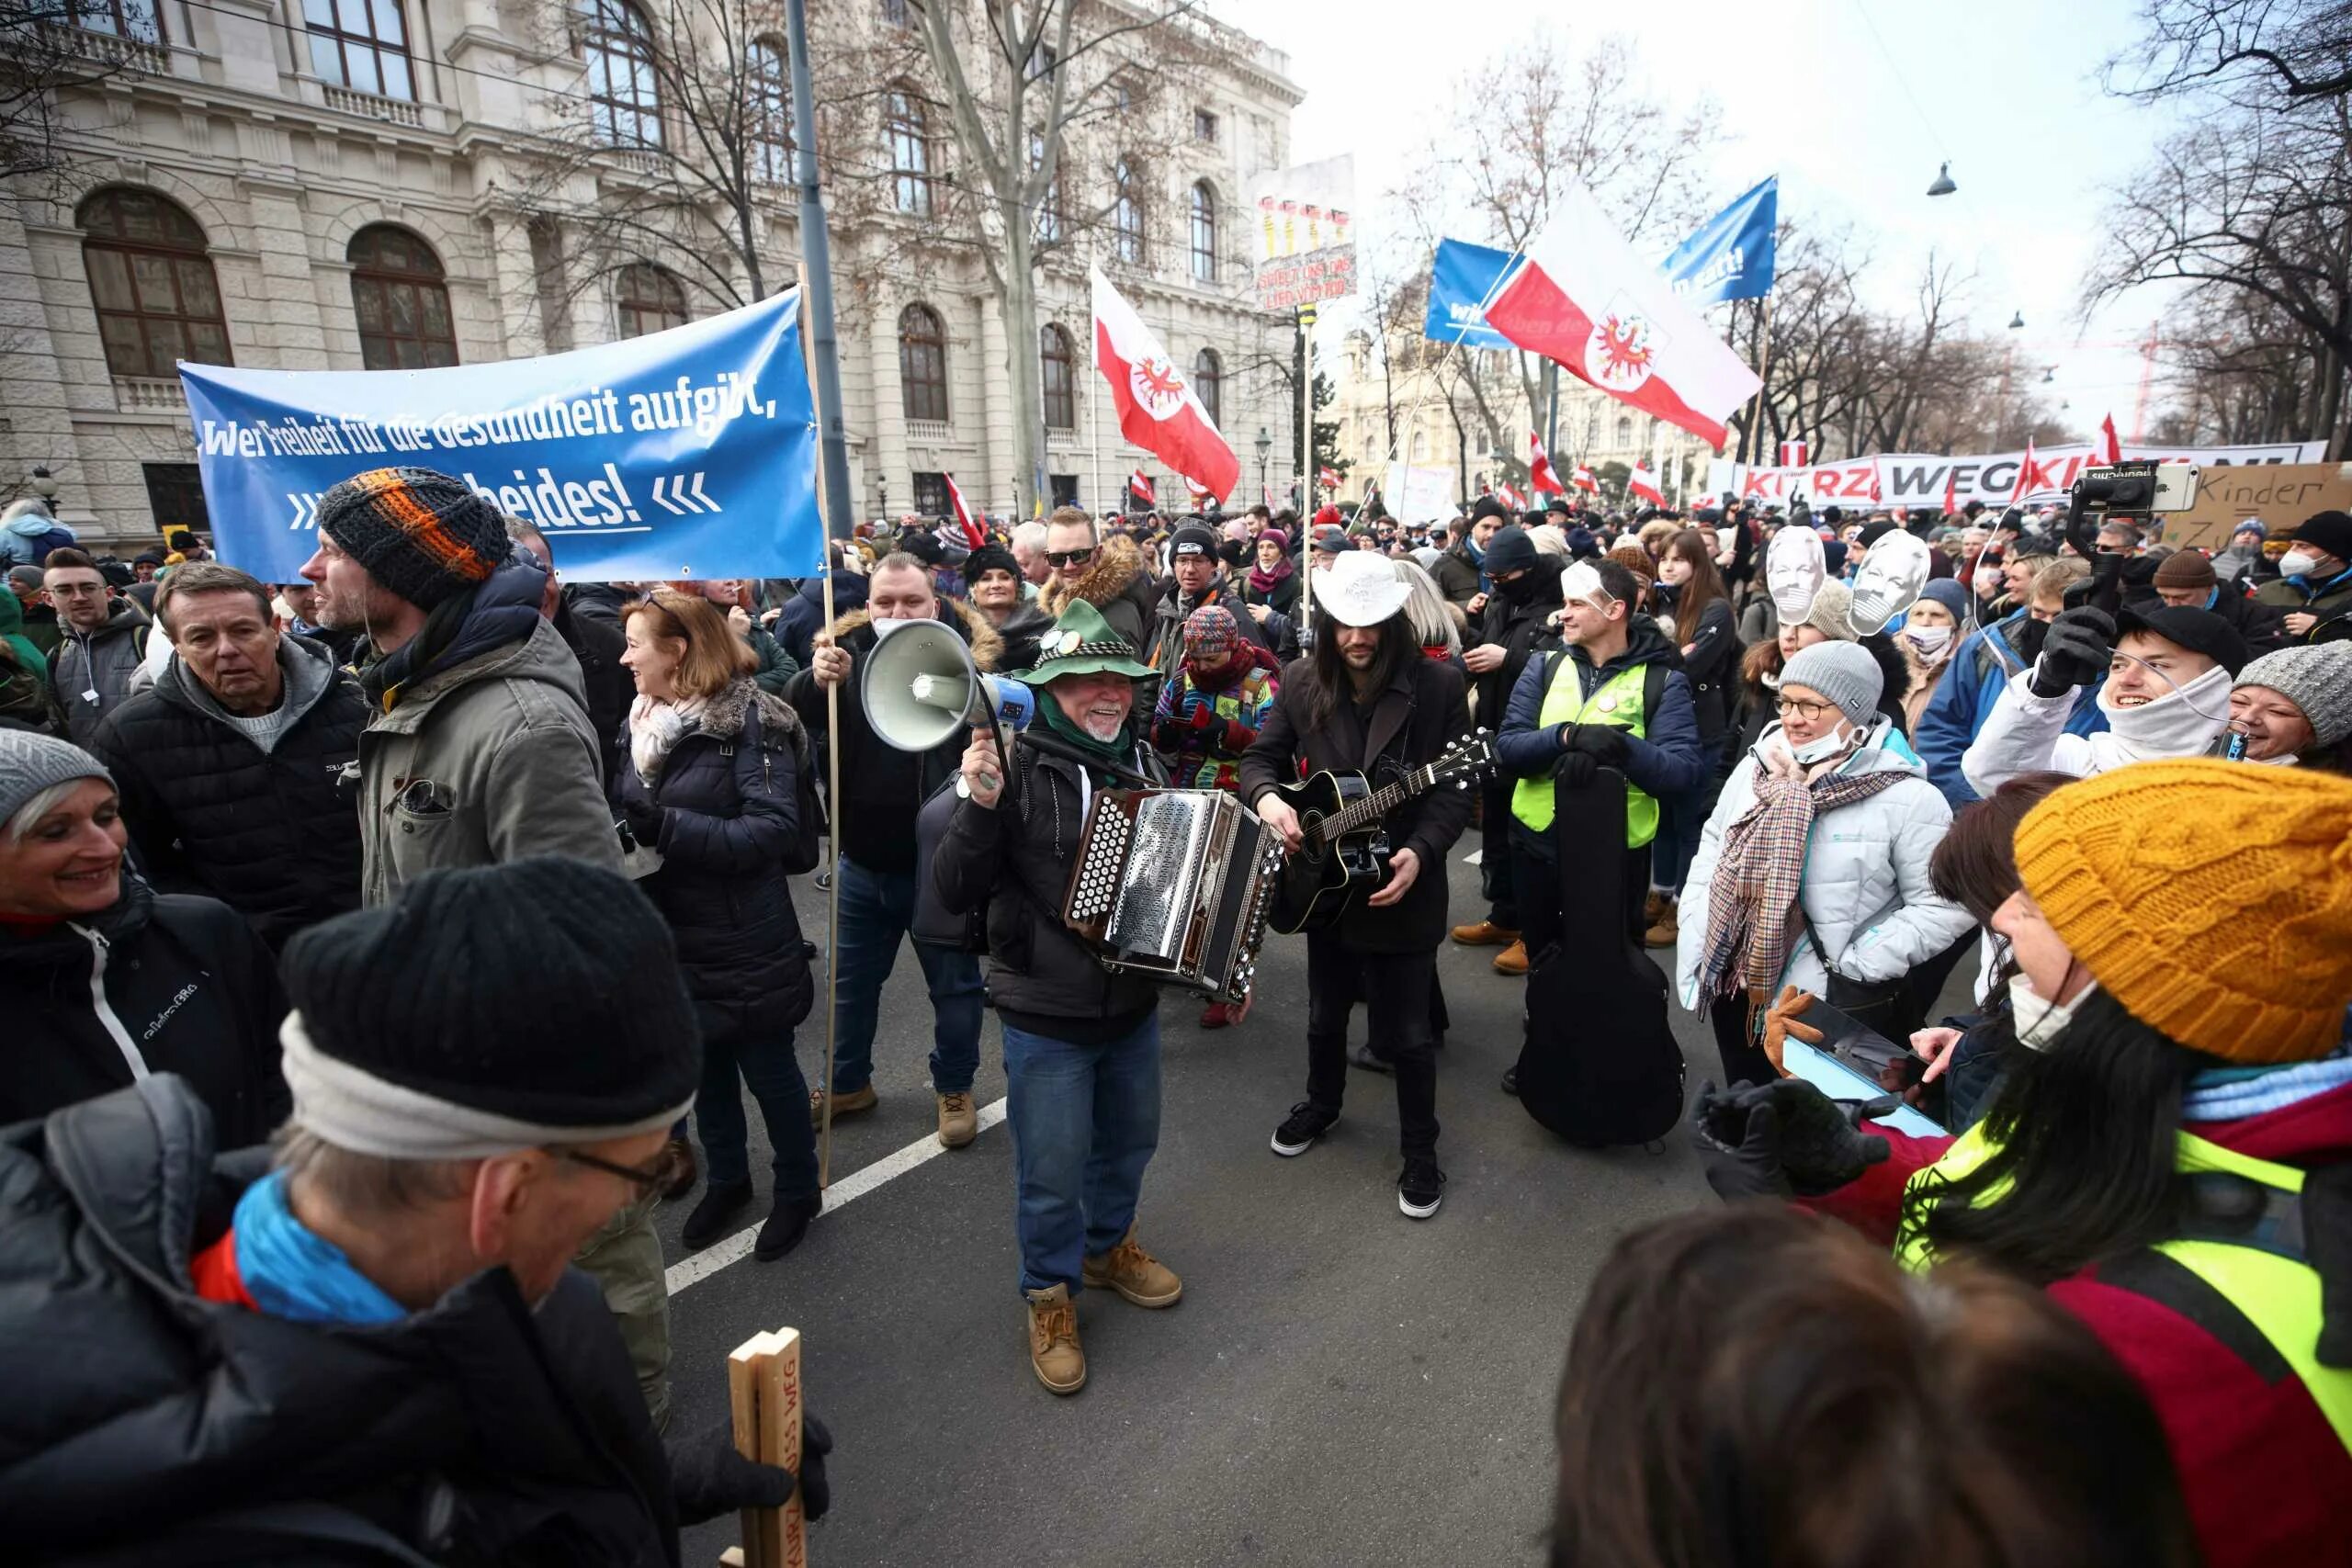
721, 1202
1306, 1124
787, 1223
1421, 1188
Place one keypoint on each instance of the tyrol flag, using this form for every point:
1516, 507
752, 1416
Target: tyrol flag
1197, 491
1581, 297
1141, 487
1582, 479
973, 533
2111, 449
1642, 484
1157, 407
1328, 478
1538, 468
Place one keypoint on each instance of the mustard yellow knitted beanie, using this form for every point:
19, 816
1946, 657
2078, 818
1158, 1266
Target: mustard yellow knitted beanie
2212, 899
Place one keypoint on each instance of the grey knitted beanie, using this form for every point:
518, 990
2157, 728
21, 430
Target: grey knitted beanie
2316, 678
1843, 673
31, 763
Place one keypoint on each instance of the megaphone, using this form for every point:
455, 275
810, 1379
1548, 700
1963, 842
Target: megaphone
922, 687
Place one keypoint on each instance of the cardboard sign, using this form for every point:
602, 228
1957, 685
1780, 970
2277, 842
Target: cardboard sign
2281, 494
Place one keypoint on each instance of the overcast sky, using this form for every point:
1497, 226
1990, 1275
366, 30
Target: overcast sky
2008, 90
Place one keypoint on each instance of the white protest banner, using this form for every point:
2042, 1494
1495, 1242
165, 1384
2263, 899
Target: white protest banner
1418, 493
1922, 480
1305, 233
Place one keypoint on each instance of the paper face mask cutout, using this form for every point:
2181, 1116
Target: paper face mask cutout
1794, 571
1888, 582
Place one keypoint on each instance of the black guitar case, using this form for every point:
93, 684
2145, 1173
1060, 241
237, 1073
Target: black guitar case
1600, 1065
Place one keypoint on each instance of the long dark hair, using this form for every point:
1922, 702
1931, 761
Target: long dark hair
1705, 586
2084, 1135
1332, 685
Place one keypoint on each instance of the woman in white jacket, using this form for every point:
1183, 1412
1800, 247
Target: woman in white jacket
1816, 857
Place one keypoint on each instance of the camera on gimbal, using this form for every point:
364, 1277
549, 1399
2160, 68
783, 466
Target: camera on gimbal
2135, 491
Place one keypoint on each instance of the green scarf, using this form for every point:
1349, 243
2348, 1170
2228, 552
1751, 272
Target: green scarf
1113, 753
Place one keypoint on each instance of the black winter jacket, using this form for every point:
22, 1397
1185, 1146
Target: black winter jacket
145, 1423
729, 810
598, 643
882, 787
1425, 706
1519, 628
274, 834
187, 989
1015, 859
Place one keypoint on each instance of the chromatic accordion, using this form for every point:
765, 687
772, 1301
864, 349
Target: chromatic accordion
1175, 883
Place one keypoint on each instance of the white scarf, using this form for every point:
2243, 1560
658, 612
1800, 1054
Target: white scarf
2172, 726
655, 727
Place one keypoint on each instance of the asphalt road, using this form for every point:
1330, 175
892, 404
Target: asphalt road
1339, 1385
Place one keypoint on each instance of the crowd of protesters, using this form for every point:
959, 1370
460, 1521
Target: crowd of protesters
238, 818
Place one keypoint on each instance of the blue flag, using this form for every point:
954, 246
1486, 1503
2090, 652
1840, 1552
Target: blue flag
1461, 277
690, 453
1730, 255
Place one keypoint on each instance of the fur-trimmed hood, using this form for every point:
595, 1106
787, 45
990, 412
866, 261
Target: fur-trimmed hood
987, 648
722, 716
1117, 565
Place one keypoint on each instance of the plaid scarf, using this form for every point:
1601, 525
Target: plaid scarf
1752, 913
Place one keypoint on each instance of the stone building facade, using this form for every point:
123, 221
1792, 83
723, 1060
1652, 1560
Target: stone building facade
311, 184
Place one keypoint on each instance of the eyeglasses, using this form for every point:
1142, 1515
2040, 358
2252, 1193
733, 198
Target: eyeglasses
664, 1167
1807, 711
1071, 558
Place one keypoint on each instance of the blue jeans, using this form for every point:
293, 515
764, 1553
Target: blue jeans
1682, 820
1085, 1120
876, 908
769, 1069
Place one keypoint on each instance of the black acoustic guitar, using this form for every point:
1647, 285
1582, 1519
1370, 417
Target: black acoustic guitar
1342, 845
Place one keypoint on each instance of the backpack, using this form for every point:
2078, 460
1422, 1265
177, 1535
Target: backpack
807, 851
58, 538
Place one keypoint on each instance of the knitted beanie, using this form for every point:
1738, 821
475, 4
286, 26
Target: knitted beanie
1210, 634
2316, 678
1948, 592
2184, 568
1828, 613
2212, 899
1843, 673
31, 763
545, 991
423, 534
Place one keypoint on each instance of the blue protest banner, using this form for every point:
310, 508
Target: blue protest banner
682, 454
1461, 276
1730, 255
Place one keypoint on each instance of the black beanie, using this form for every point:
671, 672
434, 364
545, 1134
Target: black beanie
1510, 550
988, 558
1487, 507
545, 991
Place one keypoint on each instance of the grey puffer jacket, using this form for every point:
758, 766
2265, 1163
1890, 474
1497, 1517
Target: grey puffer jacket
1865, 896
91, 671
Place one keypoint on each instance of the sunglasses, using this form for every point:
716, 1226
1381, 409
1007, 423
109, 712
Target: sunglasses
1071, 558
653, 1179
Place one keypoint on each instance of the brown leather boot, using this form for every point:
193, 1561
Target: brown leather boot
1134, 1273
1512, 960
1483, 934
1666, 929
1054, 1353
1654, 906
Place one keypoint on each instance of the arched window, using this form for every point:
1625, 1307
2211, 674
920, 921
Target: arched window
1058, 364
1208, 384
625, 93
1420, 445
908, 129
651, 299
402, 303
767, 91
922, 364
1624, 434
1204, 203
361, 44
152, 284
124, 19
1127, 213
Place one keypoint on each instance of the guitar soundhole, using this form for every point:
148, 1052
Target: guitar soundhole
1309, 848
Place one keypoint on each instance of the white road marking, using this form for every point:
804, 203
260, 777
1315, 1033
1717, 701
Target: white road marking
700, 1266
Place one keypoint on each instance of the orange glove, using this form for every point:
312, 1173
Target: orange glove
1780, 1023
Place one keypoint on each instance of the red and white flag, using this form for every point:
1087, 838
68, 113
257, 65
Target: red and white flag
1642, 484
1582, 479
974, 533
2025, 473
1952, 490
1509, 497
1328, 478
1139, 487
2114, 448
1538, 468
1157, 407
1793, 453
1197, 491
1583, 298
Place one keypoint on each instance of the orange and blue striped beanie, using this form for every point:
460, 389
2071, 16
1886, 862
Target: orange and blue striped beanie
422, 534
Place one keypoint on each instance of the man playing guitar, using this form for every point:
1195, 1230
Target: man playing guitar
1368, 701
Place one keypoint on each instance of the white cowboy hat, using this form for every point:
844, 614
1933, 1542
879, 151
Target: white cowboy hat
1360, 589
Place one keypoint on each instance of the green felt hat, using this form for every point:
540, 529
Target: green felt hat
1083, 643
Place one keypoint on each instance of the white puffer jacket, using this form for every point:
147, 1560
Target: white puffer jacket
1858, 858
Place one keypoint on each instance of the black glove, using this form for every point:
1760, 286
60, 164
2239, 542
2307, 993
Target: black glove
709, 1477
644, 820
1574, 769
1604, 743
1784, 1136
2075, 651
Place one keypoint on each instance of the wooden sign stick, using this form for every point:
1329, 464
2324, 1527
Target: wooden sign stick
763, 1395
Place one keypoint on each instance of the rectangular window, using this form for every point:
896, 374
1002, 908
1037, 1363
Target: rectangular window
176, 496
1204, 127
930, 495
1064, 488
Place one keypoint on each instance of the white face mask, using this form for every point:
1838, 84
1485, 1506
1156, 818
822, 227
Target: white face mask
2298, 563
2038, 1019
1927, 641
1821, 748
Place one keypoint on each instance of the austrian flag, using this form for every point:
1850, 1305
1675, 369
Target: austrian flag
1582, 479
1642, 484
1581, 297
1328, 478
1538, 468
1157, 407
973, 535
1141, 486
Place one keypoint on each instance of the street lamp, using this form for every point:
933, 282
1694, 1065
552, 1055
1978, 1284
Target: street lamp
1943, 185
1265, 444
43, 486
882, 494
2017, 321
